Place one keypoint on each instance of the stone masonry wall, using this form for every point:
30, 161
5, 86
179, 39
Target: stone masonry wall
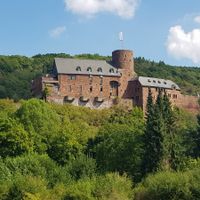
85, 85
189, 103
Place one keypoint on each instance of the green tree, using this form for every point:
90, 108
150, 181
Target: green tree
170, 185
106, 187
172, 142
196, 139
14, 140
69, 142
37, 166
154, 135
119, 148
81, 167
40, 121
162, 143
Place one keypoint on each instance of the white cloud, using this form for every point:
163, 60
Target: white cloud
197, 19
55, 33
181, 44
88, 8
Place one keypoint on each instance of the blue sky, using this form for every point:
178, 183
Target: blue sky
167, 30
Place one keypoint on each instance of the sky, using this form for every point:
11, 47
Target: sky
159, 30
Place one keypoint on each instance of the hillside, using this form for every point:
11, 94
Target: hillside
65, 152
188, 78
16, 73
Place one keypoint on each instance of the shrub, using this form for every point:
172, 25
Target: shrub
38, 166
170, 186
108, 187
81, 167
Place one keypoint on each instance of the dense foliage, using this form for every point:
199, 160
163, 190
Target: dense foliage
63, 152
16, 73
188, 78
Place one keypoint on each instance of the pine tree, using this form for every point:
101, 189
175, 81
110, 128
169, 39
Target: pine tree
161, 143
170, 146
197, 138
153, 138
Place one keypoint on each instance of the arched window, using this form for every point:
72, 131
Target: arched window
111, 70
173, 86
100, 70
78, 69
89, 69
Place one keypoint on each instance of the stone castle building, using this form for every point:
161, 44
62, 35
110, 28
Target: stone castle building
100, 84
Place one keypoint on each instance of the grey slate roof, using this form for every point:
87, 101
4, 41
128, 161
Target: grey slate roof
157, 82
70, 66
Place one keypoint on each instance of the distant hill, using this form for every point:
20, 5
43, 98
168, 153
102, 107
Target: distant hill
188, 78
16, 73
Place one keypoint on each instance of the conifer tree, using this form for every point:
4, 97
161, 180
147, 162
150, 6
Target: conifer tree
170, 146
153, 138
148, 145
161, 142
197, 138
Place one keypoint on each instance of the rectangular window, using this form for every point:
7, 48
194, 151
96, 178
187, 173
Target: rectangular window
101, 89
72, 77
101, 80
80, 89
90, 88
90, 79
69, 88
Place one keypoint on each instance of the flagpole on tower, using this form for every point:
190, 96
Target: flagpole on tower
121, 39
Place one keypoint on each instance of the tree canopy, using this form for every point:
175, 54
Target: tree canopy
50, 151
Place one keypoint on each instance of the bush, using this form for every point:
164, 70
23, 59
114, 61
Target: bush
27, 186
170, 185
38, 166
113, 187
108, 187
81, 167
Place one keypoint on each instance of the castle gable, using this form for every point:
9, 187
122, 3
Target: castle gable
85, 67
157, 83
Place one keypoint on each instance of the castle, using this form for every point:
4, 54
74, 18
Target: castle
100, 84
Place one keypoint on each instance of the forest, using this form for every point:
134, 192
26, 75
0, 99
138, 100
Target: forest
63, 152
16, 73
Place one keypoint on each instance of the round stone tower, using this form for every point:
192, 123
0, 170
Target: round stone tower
123, 59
